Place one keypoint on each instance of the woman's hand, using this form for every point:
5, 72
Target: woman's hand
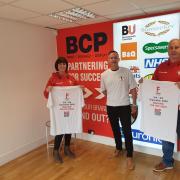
82, 87
49, 88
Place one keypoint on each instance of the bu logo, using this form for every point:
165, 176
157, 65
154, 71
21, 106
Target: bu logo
128, 30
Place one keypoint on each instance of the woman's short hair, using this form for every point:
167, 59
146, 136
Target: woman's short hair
60, 60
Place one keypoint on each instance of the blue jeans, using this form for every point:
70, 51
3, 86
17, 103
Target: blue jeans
168, 149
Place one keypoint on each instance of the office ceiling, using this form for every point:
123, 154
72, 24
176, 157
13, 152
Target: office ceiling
36, 11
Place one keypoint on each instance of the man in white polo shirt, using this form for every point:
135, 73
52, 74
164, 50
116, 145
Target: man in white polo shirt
116, 83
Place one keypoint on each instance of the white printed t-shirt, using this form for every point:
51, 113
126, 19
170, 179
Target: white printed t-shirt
65, 105
159, 109
117, 84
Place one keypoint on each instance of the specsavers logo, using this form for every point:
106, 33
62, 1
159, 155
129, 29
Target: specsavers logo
157, 28
129, 51
152, 47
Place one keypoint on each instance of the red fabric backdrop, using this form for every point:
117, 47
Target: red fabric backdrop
86, 49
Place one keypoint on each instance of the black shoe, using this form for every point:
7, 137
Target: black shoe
68, 152
57, 156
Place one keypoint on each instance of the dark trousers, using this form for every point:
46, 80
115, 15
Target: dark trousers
122, 113
58, 139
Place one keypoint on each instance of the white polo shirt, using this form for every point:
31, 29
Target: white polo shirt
117, 84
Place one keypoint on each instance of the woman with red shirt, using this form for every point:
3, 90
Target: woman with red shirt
60, 78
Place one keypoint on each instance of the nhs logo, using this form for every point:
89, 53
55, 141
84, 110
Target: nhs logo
153, 62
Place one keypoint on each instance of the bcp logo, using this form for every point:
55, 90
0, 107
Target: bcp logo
153, 62
85, 43
129, 51
153, 47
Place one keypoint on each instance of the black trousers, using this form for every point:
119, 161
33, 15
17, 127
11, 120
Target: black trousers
122, 113
58, 139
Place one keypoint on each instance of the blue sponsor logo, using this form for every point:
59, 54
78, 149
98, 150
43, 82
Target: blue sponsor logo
137, 75
153, 62
140, 136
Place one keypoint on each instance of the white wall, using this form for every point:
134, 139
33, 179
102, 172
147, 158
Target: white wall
27, 55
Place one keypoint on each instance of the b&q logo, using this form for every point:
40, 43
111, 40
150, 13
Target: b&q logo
152, 47
129, 51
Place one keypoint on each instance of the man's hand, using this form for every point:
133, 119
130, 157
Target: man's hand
140, 81
134, 111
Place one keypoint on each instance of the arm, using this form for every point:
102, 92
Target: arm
133, 92
102, 86
133, 88
48, 88
155, 75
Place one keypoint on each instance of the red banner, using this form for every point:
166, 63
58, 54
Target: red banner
86, 49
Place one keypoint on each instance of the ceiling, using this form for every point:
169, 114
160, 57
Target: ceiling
36, 11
